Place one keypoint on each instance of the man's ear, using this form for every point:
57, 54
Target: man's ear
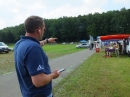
39, 31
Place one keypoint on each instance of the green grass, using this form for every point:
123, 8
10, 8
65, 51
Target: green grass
97, 77
53, 51
11, 45
6, 62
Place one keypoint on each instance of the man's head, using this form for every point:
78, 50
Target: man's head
35, 25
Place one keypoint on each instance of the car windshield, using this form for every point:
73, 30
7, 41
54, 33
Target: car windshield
2, 44
84, 44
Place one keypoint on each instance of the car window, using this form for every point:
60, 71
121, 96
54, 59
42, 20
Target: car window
84, 44
2, 44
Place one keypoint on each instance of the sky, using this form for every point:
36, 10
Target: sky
14, 12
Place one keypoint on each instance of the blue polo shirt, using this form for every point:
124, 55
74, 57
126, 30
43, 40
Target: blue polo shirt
30, 60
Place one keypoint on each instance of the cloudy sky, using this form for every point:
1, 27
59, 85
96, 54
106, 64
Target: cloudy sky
14, 12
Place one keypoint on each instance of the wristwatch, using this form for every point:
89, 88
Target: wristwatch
47, 40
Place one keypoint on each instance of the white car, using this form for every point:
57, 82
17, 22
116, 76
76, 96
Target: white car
82, 45
63, 43
4, 47
72, 43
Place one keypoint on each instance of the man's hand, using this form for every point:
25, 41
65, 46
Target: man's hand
55, 74
52, 40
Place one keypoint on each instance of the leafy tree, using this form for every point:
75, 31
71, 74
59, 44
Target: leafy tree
70, 29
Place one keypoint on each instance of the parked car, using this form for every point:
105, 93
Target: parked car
4, 47
63, 43
82, 45
72, 43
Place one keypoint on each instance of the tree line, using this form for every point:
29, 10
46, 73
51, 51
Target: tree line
74, 29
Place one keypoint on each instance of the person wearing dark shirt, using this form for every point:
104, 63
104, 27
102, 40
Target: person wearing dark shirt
31, 62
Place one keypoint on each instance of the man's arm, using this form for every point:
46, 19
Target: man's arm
43, 79
50, 40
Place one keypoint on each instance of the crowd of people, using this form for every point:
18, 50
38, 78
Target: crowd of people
114, 47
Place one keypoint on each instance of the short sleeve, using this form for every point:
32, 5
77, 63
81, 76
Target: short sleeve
35, 63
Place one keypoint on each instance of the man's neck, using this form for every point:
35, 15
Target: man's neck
31, 35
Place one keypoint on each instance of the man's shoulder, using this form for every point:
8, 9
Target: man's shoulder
26, 45
29, 43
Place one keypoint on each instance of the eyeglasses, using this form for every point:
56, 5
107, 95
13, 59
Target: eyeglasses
44, 29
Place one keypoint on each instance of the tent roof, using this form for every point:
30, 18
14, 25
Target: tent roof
115, 36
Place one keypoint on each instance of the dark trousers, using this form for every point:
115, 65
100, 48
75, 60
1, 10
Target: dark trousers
40, 95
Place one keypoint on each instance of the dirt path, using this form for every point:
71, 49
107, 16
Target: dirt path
9, 85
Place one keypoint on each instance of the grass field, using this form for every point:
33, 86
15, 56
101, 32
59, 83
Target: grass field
97, 77
53, 51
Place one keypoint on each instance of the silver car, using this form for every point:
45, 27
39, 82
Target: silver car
4, 47
82, 45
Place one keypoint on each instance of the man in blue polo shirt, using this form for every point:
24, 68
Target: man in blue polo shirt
31, 62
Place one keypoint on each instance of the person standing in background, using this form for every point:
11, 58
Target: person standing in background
116, 49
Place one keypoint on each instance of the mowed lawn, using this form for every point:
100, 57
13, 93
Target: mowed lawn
97, 77
53, 51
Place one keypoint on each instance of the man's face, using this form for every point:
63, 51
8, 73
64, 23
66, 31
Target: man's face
42, 31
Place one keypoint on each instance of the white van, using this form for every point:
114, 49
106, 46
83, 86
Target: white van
126, 46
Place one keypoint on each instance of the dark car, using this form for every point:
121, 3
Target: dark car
4, 47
